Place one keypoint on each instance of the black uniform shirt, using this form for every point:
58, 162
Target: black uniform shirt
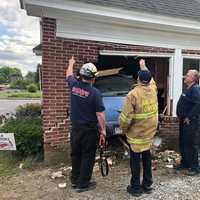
189, 103
86, 100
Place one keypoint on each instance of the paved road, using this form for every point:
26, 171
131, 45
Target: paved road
8, 105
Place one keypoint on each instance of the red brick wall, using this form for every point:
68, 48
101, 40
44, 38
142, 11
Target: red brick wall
55, 104
169, 131
56, 52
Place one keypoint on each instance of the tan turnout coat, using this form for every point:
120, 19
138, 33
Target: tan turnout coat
139, 116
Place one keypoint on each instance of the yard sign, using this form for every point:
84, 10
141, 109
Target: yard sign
7, 142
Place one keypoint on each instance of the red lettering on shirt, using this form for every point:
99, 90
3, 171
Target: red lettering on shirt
80, 92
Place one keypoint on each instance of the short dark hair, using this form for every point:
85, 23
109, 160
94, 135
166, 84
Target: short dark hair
144, 76
86, 77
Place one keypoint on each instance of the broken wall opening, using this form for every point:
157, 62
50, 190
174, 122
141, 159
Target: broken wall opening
159, 67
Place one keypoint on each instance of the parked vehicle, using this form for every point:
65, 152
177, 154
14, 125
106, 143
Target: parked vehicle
114, 89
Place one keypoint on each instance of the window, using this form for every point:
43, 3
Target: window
189, 63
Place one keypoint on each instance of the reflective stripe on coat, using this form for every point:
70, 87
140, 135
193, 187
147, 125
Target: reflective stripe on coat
139, 116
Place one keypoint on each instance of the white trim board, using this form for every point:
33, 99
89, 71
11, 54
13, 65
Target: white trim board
166, 29
135, 53
109, 12
79, 20
78, 28
191, 56
177, 77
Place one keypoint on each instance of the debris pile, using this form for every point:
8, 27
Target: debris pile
168, 157
61, 175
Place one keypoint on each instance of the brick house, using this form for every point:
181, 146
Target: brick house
165, 33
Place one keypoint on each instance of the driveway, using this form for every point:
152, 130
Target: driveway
37, 185
10, 105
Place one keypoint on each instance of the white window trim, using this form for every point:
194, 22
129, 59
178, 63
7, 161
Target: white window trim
177, 74
177, 78
193, 56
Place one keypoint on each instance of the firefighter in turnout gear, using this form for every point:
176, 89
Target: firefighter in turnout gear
139, 120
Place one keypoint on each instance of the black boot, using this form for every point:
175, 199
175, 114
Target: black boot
134, 191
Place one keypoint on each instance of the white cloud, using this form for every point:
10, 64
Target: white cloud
19, 34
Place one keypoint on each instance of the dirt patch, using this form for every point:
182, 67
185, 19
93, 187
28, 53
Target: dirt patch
37, 184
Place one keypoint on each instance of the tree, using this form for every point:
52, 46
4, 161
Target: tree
7, 74
31, 77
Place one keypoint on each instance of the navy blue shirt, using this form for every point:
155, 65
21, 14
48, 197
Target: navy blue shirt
189, 103
86, 100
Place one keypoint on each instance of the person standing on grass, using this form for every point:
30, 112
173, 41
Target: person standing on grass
87, 111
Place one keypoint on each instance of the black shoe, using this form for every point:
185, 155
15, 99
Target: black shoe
193, 172
74, 182
133, 191
74, 185
147, 189
90, 186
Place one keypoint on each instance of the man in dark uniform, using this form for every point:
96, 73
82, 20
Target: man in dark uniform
188, 111
87, 110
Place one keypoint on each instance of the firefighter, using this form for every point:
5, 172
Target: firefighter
87, 109
139, 120
188, 112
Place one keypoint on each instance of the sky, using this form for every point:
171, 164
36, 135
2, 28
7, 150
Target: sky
19, 34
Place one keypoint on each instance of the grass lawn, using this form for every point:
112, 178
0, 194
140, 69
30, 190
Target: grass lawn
11, 165
8, 164
20, 94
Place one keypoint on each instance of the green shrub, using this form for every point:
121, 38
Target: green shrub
27, 127
19, 84
32, 110
32, 88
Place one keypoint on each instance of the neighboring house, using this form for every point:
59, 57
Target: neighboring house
164, 32
15, 78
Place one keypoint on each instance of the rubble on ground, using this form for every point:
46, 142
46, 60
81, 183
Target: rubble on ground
167, 158
57, 174
62, 185
37, 185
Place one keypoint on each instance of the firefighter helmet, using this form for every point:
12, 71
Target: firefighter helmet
88, 70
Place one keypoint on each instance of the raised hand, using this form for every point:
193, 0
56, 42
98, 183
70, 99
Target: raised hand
72, 61
142, 64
